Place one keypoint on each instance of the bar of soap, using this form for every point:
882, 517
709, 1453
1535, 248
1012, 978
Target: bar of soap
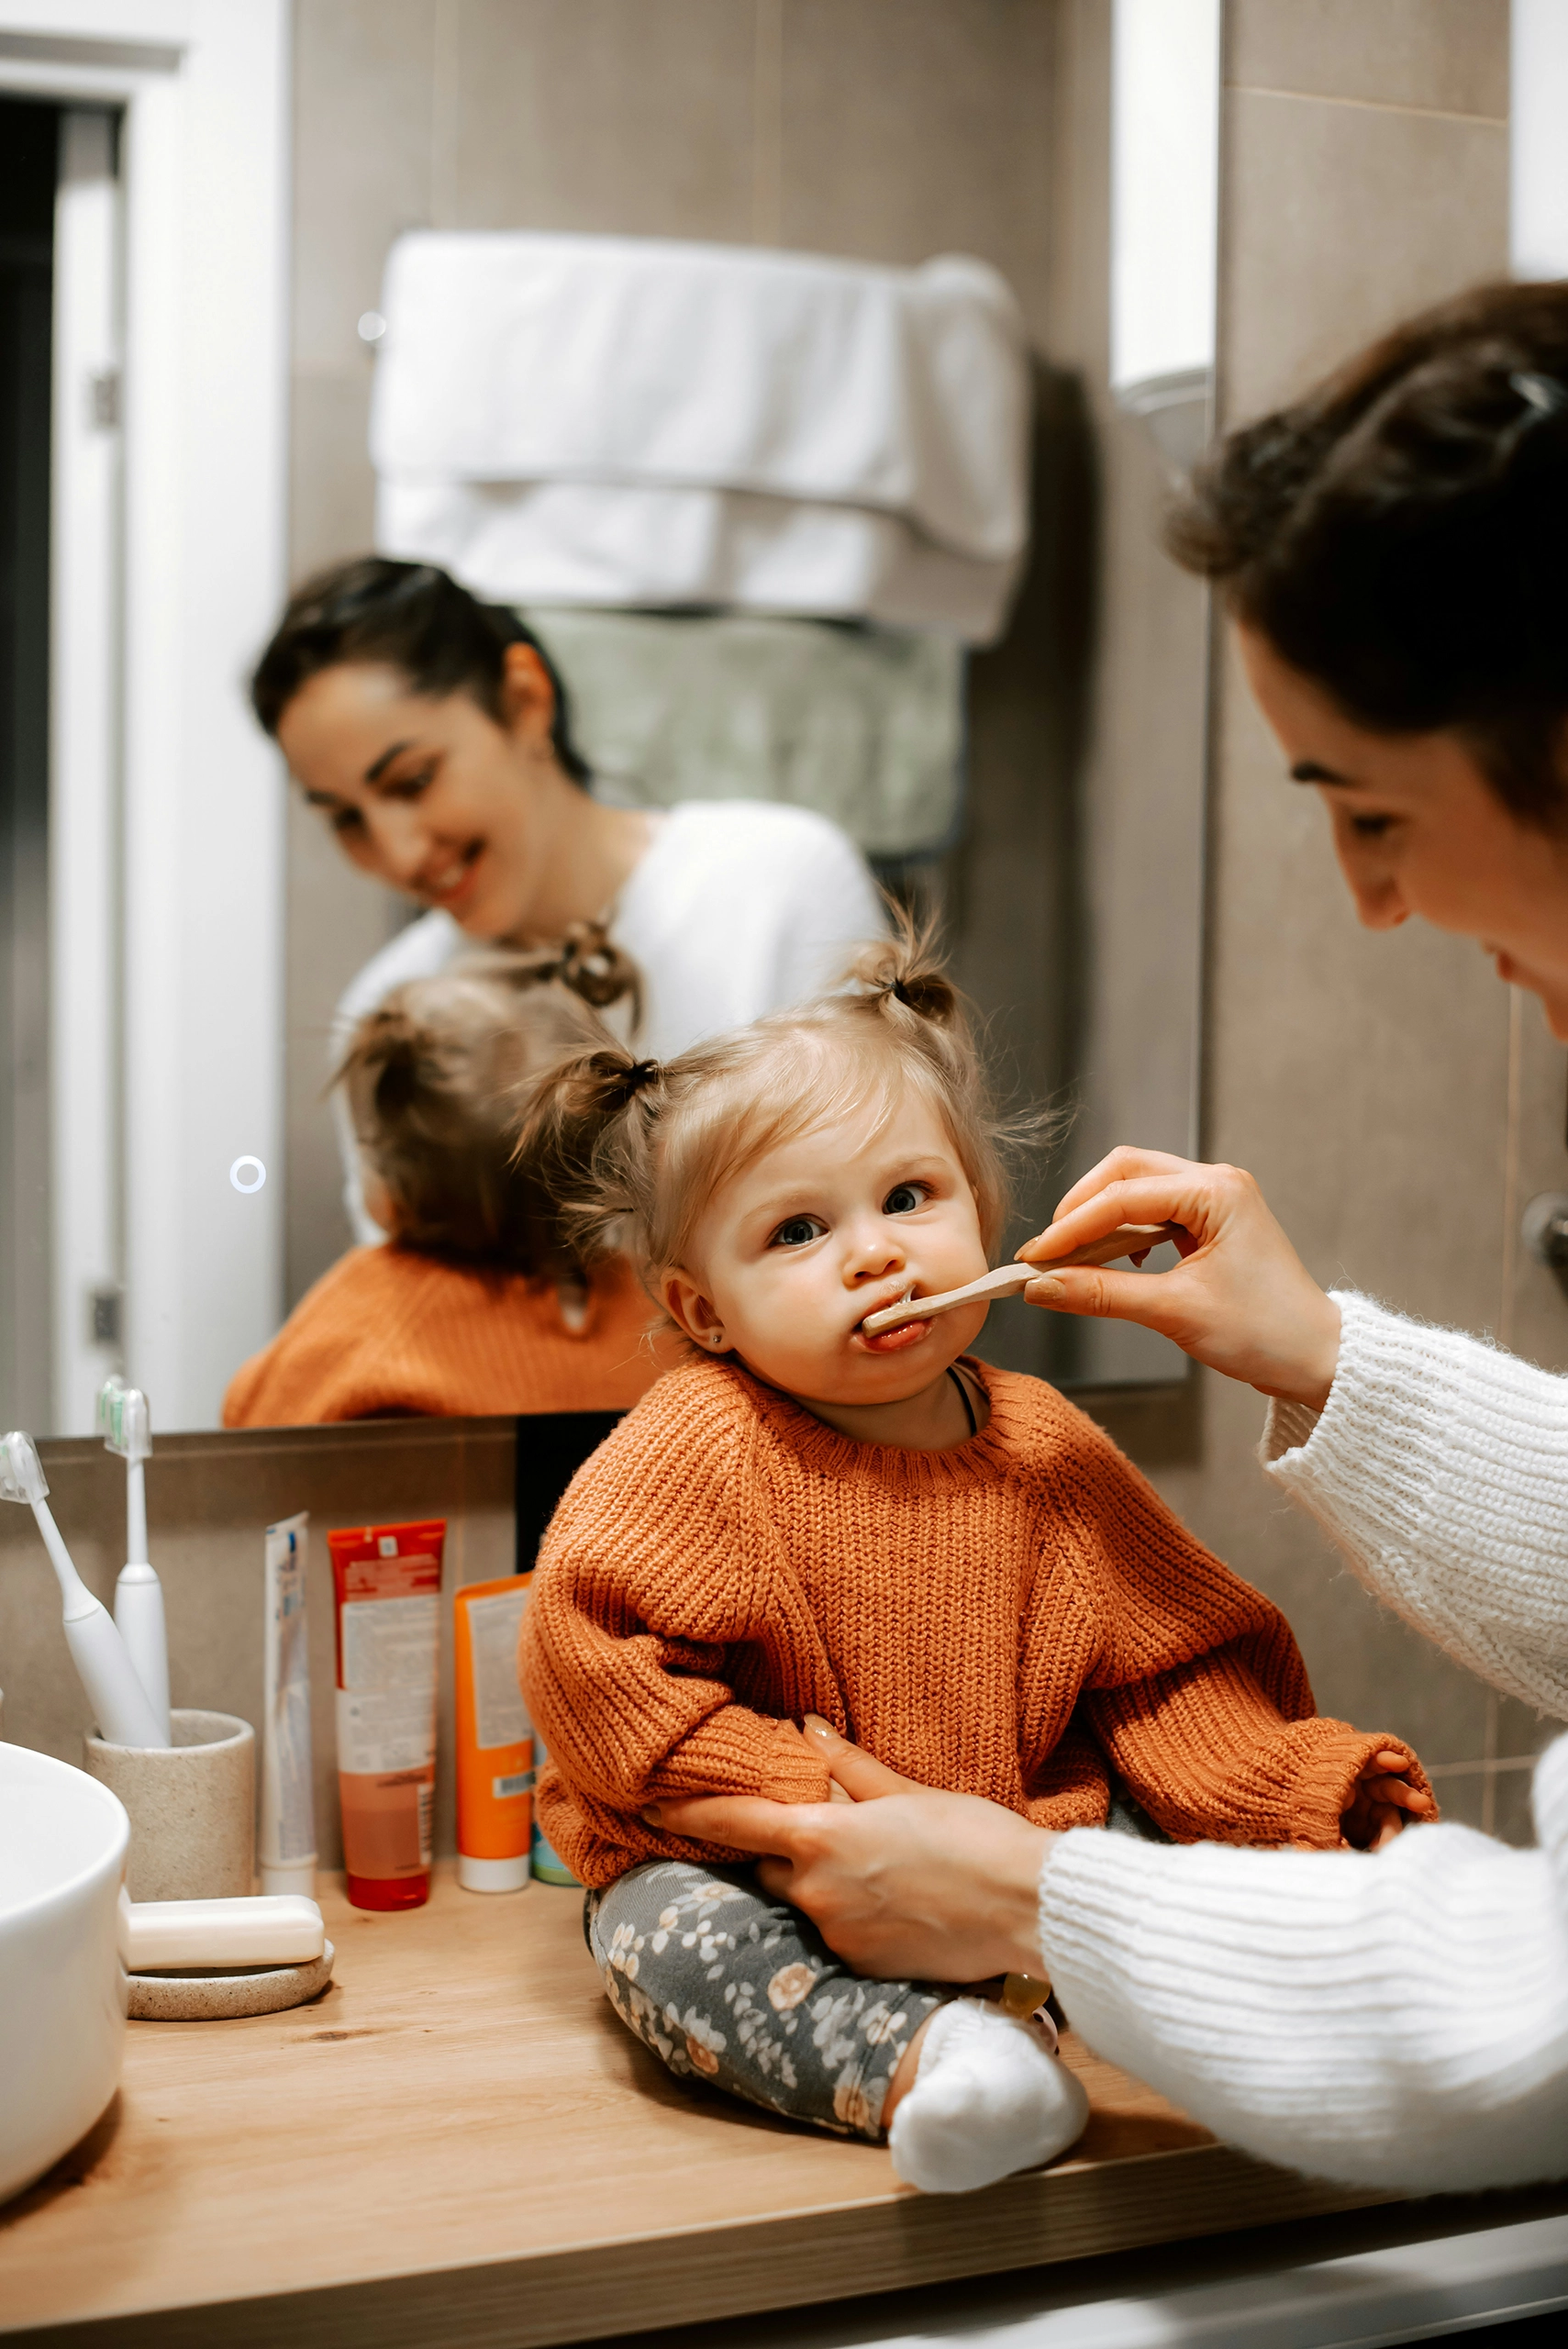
278, 1929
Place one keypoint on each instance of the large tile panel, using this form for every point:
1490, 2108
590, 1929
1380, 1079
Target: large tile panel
918, 126
1450, 55
1340, 219
620, 116
361, 167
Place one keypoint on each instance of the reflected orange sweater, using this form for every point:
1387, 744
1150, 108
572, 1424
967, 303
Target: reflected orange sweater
1001, 1618
389, 1333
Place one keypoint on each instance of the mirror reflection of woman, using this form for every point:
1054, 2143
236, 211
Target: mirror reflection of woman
433, 734
1392, 551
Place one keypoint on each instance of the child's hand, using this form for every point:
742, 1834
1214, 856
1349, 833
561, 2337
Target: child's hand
1383, 1799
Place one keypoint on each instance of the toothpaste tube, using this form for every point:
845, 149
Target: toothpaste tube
387, 1582
287, 1844
495, 1737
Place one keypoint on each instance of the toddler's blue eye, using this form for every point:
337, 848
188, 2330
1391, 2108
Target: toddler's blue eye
797, 1233
904, 1199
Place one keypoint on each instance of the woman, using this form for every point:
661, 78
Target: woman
432, 732
1391, 551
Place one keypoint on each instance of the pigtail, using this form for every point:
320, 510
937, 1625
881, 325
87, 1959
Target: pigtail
597, 973
585, 1138
383, 1068
905, 971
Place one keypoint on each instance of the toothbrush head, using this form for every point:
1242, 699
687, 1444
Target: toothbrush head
21, 1470
123, 1420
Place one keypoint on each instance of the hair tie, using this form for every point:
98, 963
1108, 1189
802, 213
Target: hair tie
640, 1073
1543, 397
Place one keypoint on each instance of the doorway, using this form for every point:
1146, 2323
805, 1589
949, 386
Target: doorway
29, 141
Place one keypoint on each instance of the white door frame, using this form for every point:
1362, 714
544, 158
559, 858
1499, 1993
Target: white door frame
203, 87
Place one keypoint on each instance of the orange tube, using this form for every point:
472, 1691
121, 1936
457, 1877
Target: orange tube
495, 1737
387, 1582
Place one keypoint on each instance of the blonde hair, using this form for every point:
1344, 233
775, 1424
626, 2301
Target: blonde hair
634, 1151
438, 1076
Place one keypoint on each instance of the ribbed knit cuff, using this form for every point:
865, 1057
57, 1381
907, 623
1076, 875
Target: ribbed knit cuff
1439, 1466
1400, 2019
795, 1773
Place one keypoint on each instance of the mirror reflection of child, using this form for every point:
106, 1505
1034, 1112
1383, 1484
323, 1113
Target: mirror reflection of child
481, 1304
947, 1562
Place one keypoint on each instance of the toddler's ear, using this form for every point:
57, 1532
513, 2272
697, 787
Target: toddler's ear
693, 1312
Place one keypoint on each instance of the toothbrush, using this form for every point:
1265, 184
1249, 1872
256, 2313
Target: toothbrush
126, 1426
1008, 1280
119, 1702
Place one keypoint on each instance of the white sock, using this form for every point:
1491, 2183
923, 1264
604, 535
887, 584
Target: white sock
989, 2098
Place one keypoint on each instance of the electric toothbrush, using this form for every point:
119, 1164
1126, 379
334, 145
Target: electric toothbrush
125, 1424
121, 1705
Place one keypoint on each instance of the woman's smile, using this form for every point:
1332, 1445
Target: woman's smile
453, 883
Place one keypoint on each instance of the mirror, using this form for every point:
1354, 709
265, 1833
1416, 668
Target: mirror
176, 927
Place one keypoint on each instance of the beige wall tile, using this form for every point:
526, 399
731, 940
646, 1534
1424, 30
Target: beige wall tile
623, 116
331, 484
1340, 219
362, 161
1447, 54
1498, 1803
918, 126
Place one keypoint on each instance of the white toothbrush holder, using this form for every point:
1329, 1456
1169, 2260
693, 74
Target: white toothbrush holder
192, 1807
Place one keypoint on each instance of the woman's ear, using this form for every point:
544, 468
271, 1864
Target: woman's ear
528, 697
692, 1313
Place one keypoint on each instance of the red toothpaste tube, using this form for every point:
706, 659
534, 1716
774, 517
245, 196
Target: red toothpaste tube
387, 1582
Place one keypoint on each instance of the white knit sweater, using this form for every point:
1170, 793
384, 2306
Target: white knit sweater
1401, 2020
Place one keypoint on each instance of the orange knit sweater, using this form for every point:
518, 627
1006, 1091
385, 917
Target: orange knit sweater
389, 1333
1000, 1619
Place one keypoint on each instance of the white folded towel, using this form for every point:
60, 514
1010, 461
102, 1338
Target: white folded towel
584, 542
524, 358
612, 420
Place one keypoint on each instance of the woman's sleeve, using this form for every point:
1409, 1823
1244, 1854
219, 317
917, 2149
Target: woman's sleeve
1439, 1467
826, 905
1397, 2021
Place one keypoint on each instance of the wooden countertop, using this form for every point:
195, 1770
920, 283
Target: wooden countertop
458, 2144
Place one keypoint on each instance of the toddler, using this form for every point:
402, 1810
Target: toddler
479, 1303
947, 1562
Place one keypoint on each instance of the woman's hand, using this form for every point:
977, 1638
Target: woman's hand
901, 1880
1241, 1300
1382, 1800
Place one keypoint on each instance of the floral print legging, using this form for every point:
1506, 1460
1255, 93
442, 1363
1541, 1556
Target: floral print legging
725, 1985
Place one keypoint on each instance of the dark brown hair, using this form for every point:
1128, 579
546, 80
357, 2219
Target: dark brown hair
1400, 535
635, 1149
437, 1078
414, 617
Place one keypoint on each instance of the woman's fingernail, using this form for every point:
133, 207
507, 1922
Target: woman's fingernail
653, 1815
1046, 1290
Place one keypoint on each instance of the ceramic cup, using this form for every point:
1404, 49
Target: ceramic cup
192, 1807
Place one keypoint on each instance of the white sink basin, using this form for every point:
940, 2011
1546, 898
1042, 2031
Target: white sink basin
62, 1992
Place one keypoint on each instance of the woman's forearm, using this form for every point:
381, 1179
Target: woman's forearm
1399, 2021
1439, 1467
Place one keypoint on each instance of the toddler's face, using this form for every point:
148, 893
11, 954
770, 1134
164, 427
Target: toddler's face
794, 1253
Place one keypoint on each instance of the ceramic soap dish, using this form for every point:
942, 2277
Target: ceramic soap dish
201, 1961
